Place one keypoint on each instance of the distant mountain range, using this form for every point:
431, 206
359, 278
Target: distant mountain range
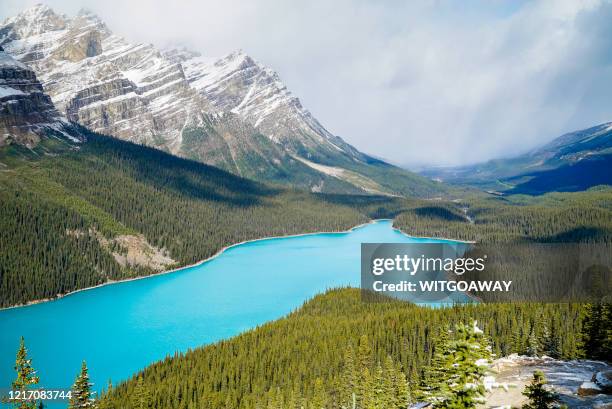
231, 112
572, 162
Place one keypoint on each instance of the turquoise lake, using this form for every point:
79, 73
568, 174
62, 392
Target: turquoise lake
121, 328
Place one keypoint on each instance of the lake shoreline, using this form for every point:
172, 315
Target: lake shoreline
217, 254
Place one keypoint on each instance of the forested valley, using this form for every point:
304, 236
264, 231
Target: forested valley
551, 218
60, 214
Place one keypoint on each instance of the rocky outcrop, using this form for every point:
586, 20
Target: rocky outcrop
27, 114
603, 379
589, 389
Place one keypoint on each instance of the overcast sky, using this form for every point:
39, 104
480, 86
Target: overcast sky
430, 82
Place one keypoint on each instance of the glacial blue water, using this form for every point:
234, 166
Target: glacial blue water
119, 329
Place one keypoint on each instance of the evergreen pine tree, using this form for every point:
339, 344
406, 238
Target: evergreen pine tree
403, 391
349, 379
390, 385
465, 359
552, 347
104, 402
81, 391
597, 331
434, 376
533, 345
364, 354
141, 397
539, 396
319, 399
26, 376
379, 393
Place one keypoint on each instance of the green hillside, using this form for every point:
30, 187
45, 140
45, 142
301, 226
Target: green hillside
553, 217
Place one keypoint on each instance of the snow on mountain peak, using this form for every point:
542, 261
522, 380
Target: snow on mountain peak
138, 92
36, 20
8, 61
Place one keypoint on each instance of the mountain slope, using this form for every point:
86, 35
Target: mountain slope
231, 112
574, 161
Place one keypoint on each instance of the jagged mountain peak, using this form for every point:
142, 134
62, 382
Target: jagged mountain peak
180, 54
36, 20
232, 112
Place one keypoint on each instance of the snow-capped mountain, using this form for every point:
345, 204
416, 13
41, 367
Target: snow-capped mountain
230, 112
239, 84
26, 112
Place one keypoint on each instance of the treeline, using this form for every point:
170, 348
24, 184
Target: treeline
552, 218
291, 359
55, 209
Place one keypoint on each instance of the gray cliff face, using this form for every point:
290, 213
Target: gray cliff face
230, 112
26, 112
99, 80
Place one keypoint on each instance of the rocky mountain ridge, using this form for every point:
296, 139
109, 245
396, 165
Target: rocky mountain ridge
231, 112
27, 114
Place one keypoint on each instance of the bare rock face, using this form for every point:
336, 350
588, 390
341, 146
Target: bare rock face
101, 81
589, 389
26, 112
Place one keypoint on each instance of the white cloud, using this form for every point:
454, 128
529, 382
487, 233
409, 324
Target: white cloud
414, 82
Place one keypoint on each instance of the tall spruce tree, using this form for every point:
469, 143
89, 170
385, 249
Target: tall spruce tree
533, 344
81, 391
349, 379
26, 377
465, 360
539, 396
434, 375
597, 331
319, 399
141, 398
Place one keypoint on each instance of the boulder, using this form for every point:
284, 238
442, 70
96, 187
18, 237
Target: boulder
603, 379
589, 389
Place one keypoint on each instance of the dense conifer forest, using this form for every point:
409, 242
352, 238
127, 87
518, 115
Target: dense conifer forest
550, 218
60, 213
301, 359
60, 216
57, 211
